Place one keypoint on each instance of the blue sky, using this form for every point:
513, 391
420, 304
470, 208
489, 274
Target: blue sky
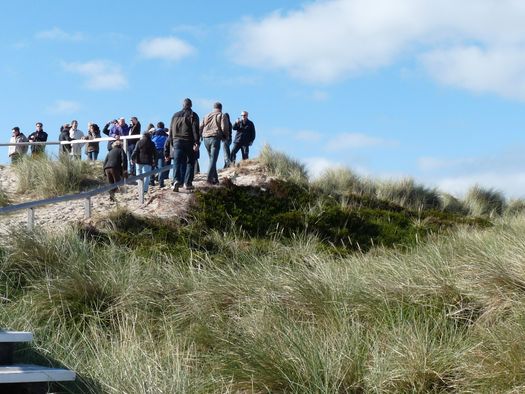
419, 88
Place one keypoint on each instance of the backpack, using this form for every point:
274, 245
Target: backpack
225, 135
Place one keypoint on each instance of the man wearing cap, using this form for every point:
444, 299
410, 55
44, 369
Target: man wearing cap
214, 129
244, 137
16, 151
182, 145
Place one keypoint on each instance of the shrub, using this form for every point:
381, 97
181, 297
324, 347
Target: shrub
342, 181
451, 204
408, 194
484, 202
515, 207
50, 178
282, 166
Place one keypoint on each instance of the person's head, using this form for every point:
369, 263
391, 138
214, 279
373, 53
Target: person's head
122, 121
74, 124
16, 130
244, 115
117, 144
94, 127
39, 125
146, 135
217, 106
134, 120
186, 104
160, 125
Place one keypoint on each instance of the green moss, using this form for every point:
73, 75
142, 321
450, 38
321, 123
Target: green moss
359, 224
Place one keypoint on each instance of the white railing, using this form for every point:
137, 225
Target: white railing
86, 196
124, 138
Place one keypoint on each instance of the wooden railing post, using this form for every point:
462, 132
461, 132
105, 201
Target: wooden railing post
87, 208
140, 184
30, 218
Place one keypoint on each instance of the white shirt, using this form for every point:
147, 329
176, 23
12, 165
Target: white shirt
76, 134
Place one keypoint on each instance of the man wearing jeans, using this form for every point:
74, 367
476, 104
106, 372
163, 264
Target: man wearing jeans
214, 127
182, 145
144, 157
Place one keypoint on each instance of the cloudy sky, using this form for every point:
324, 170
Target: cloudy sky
433, 90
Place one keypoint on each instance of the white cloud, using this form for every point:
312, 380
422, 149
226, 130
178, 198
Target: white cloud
101, 74
355, 141
317, 165
473, 44
494, 70
167, 48
307, 136
60, 35
434, 163
64, 107
511, 184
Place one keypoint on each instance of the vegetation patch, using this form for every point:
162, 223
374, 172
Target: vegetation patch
291, 209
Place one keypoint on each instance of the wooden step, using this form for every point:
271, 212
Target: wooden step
15, 336
28, 373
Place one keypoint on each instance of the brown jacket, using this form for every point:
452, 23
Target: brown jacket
215, 124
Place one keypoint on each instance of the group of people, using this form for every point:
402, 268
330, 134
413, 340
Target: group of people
158, 146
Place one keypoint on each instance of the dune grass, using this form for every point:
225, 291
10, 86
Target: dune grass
484, 202
283, 166
220, 311
44, 177
4, 199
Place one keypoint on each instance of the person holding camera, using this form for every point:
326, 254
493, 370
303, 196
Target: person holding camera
244, 136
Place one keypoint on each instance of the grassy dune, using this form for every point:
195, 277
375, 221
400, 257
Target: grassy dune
278, 314
269, 291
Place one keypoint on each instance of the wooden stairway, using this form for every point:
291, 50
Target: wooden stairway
25, 378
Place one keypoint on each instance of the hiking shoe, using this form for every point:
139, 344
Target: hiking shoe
190, 188
175, 187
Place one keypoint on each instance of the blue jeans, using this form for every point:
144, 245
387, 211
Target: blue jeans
132, 169
226, 152
245, 150
183, 160
213, 146
143, 168
92, 155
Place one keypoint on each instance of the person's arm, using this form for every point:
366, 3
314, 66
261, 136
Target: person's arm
105, 130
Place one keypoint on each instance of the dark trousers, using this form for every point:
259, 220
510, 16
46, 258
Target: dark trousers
245, 150
183, 161
114, 176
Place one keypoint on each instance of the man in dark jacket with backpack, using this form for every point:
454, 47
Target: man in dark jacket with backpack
183, 144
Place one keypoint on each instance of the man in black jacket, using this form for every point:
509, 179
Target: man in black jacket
183, 145
39, 135
244, 137
115, 166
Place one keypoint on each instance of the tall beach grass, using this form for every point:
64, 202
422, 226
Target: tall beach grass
46, 177
271, 314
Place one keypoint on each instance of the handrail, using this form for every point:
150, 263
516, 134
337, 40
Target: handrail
31, 205
79, 141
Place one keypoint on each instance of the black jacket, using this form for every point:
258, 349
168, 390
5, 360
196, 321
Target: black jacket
116, 159
38, 137
185, 126
245, 132
144, 152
